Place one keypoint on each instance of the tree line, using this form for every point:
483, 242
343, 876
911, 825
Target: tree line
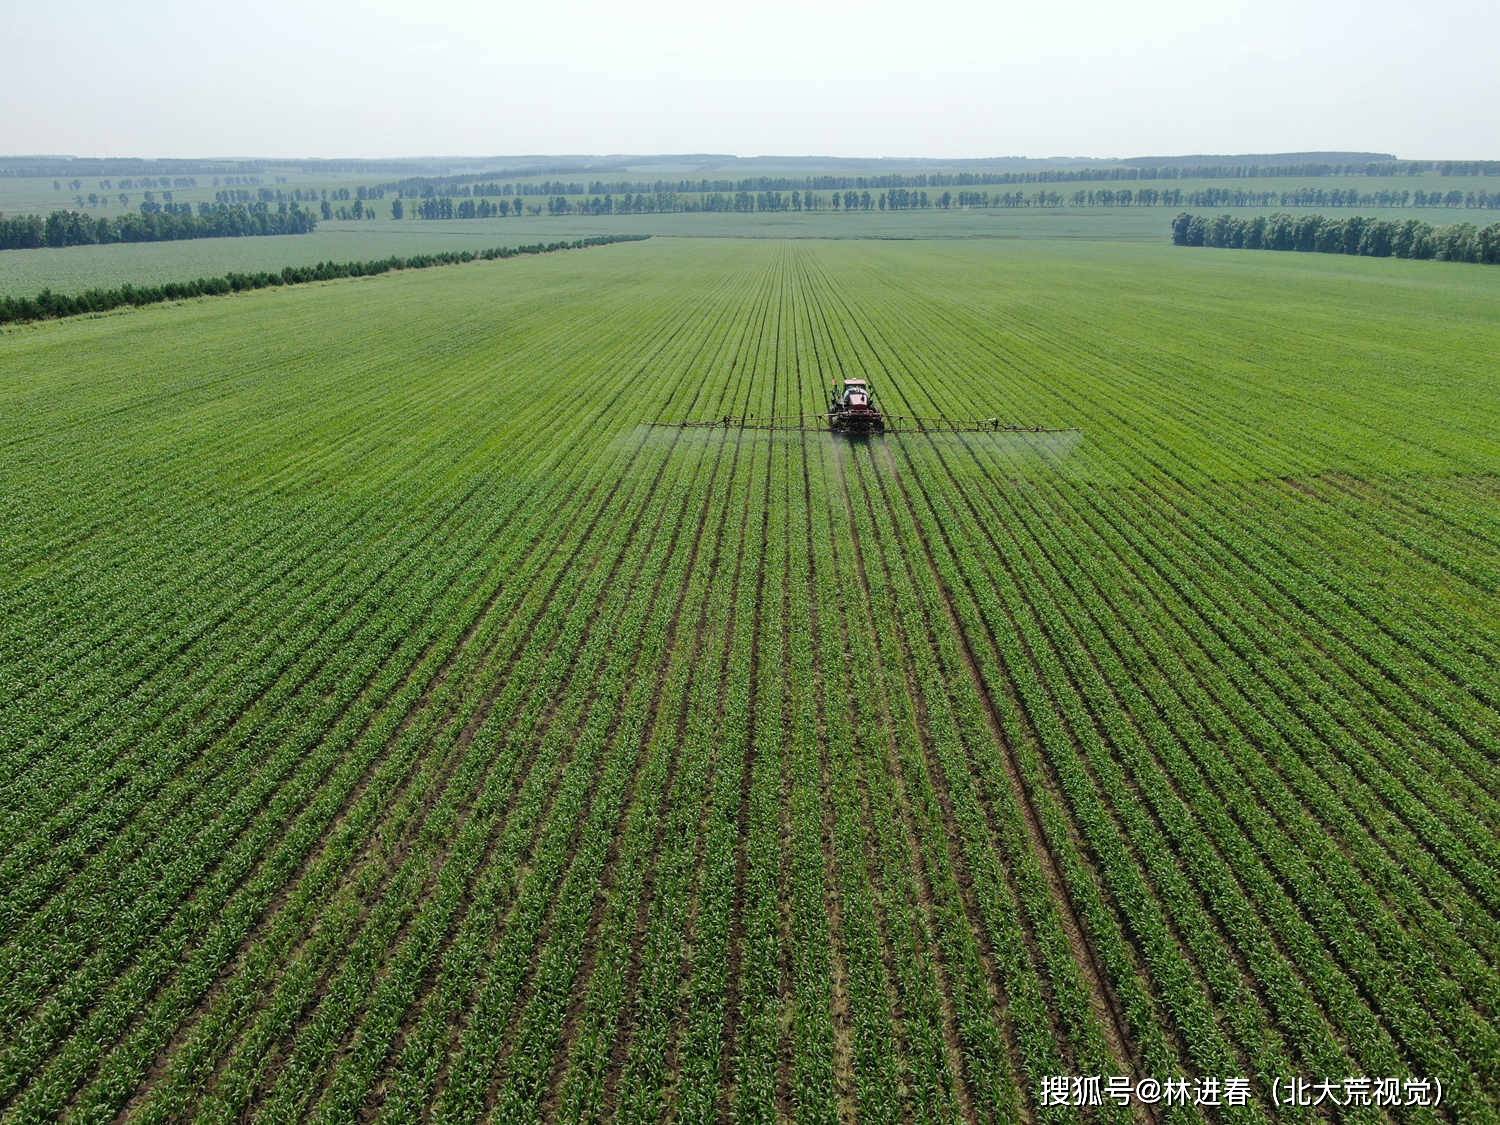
906, 199
1356, 234
48, 305
156, 223
144, 182
444, 207
478, 185
1323, 197
296, 195
357, 211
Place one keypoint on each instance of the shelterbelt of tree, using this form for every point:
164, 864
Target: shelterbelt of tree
491, 183
395, 724
154, 223
1377, 238
48, 305
445, 207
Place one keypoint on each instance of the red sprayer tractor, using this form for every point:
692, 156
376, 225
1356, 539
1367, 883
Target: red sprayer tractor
853, 412
852, 409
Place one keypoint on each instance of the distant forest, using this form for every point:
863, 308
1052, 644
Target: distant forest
168, 223
487, 185
1375, 238
481, 206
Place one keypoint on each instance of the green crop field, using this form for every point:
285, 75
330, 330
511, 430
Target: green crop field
396, 723
75, 268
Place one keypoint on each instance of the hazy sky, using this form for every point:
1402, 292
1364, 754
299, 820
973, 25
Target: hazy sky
1023, 77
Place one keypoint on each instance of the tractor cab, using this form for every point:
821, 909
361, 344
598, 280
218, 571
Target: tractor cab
852, 409
856, 394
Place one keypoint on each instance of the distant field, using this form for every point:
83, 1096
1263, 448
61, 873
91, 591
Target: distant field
82, 267
74, 268
28, 195
392, 720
